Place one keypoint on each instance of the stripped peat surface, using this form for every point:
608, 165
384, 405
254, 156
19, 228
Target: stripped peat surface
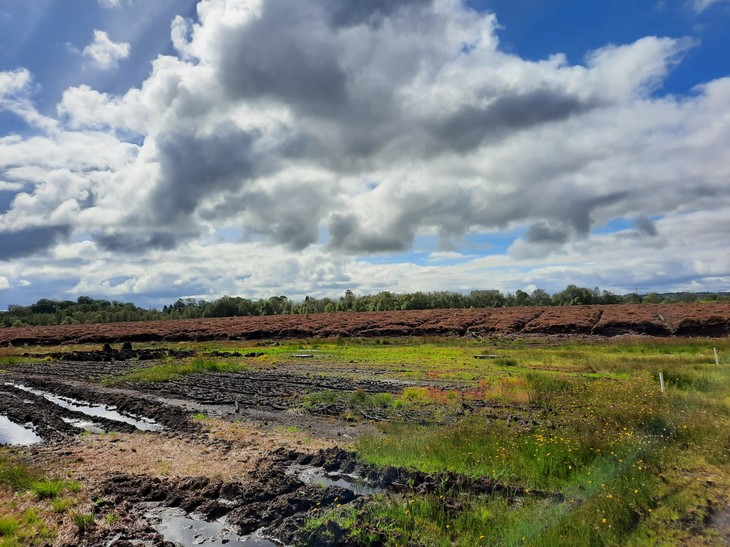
647, 319
523, 426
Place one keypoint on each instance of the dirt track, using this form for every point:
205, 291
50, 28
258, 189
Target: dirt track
647, 319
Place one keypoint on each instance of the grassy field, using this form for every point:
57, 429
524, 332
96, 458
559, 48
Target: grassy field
591, 452
608, 458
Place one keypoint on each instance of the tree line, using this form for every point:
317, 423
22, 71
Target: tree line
89, 310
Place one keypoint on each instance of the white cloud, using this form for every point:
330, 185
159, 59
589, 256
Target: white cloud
4, 283
108, 4
371, 125
701, 5
10, 186
16, 87
105, 53
14, 82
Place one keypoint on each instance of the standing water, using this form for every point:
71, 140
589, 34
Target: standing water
178, 527
97, 411
14, 434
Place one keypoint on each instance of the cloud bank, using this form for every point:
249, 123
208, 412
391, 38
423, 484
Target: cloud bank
320, 132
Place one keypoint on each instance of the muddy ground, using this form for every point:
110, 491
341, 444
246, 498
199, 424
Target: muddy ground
260, 461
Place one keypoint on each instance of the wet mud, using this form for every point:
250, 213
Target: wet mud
278, 390
53, 421
274, 502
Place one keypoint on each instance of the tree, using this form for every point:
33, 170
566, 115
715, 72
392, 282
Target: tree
540, 297
522, 298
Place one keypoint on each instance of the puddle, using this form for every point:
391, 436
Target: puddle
91, 427
178, 527
317, 475
16, 435
93, 410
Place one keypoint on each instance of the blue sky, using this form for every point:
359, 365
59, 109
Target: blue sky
155, 150
535, 28
47, 36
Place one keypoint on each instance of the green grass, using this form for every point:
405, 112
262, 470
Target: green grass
47, 489
626, 459
15, 474
170, 370
18, 478
84, 521
8, 527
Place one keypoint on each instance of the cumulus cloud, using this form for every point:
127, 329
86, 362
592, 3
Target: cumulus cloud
4, 283
105, 53
327, 129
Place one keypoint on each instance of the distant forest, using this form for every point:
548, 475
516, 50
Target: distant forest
90, 310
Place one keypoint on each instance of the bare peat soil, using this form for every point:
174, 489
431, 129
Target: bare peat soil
646, 319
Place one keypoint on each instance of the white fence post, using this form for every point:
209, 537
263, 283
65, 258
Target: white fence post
661, 382
717, 359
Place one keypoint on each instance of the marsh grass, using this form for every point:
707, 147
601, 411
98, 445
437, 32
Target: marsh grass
629, 462
170, 370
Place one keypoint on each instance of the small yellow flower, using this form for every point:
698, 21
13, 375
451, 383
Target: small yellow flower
604, 521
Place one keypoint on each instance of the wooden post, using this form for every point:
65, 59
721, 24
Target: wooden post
717, 359
661, 382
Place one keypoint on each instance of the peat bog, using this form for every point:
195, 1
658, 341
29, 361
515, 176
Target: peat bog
387, 435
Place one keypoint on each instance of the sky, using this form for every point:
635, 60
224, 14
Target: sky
151, 151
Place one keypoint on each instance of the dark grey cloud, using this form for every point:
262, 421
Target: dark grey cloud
290, 215
566, 213
192, 167
471, 126
347, 233
31, 241
348, 13
542, 232
288, 54
130, 241
646, 227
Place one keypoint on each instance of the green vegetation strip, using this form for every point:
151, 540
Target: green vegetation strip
171, 369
